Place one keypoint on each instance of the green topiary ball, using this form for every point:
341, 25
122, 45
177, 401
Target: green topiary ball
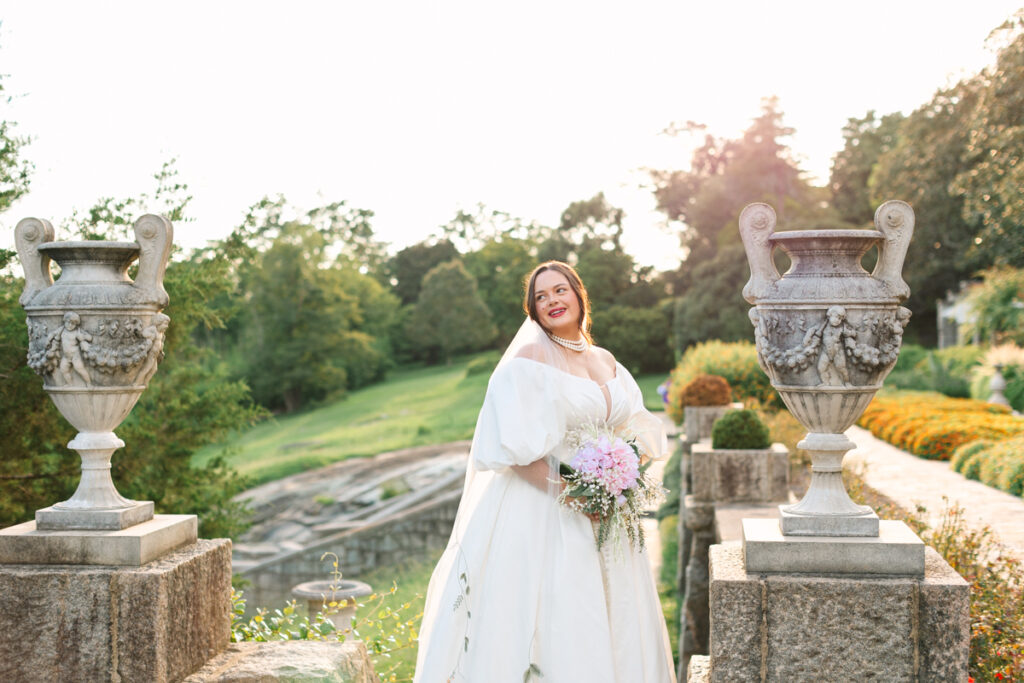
740, 429
706, 390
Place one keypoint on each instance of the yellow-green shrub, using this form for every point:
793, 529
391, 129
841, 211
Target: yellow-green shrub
735, 361
967, 458
1002, 465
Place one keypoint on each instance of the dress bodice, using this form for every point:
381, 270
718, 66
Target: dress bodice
530, 406
586, 402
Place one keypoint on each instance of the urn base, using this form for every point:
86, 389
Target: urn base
793, 524
56, 518
896, 550
133, 547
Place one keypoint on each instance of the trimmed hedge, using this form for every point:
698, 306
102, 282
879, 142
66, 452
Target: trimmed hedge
706, 390
740, 429
967, 458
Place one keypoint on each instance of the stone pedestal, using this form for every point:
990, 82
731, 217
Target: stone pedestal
719, 477
796, 627
699, 518
316, 594
740, 476
154, 623
697, 424
896, 550
133, 547
698, 420
55, 518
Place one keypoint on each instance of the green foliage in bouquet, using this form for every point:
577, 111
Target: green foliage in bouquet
740, 429
706, 390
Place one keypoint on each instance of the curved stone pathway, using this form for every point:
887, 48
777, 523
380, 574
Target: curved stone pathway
909, 480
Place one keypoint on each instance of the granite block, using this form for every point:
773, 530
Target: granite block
797, 627
740, 475
154, 623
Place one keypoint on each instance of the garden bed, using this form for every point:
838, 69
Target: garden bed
984, 441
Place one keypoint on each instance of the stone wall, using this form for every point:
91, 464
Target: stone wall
414, 533
718, 478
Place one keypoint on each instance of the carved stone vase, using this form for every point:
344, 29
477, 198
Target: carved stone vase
95, 337
827, 334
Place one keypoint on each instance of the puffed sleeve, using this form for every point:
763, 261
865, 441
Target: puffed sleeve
522, 418
649, 428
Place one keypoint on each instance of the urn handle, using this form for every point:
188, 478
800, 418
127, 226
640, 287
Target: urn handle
757, 223
154, 234
895, 220
28, 235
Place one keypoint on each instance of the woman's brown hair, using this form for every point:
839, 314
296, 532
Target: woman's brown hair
575, 283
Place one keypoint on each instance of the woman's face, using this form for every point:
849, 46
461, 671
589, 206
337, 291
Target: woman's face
556, 304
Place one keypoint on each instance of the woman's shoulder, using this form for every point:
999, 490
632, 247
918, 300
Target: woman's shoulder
532, 351
606, 358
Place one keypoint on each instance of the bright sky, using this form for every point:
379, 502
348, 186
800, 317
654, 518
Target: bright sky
414, 109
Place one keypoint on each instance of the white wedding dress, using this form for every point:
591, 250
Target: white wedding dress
521, 593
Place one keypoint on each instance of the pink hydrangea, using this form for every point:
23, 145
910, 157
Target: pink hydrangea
612, 463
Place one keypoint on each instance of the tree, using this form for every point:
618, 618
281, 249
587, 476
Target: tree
990, 185
500, 268
471, 230
607, 273
864, 141
302, 330
638, 337
589, 235
724, 176
450, 314
593, 220
406, 269
919, 168
15, 170
347, 232
713, 308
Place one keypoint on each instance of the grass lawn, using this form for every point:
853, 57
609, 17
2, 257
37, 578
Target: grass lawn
414, 407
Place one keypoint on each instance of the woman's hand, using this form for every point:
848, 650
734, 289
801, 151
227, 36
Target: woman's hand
570, 500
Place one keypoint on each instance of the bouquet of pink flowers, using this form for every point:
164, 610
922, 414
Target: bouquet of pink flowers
606, 478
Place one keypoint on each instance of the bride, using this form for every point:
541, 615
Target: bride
521, 593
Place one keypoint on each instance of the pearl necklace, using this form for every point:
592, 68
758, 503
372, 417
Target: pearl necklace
579, 346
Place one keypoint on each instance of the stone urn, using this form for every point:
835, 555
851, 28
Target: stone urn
96, 337
827, 334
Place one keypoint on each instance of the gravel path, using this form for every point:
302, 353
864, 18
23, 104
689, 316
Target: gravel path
909, 480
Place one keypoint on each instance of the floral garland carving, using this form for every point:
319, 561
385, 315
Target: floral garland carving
886, 327
115, 346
